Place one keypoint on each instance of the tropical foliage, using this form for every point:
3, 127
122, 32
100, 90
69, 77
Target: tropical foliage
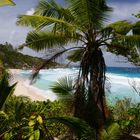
82, 23
6, 90
125, 114
24, 119
6, 2
17, 60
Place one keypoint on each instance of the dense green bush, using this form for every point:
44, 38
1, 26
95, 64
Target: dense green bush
126, 114
22, 118
20, 113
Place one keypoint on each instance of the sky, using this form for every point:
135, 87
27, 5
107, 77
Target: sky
10, 32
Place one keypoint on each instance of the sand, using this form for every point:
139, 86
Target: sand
23, 89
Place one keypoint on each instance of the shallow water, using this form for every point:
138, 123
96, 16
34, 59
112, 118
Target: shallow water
119, 79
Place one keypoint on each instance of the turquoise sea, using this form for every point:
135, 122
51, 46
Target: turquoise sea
119, 81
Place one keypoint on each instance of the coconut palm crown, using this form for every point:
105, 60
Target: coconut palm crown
81, 23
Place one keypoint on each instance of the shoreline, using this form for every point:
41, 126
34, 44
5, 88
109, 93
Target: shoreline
22, 89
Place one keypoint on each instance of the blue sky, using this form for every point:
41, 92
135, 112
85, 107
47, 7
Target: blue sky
123, 9
16, 35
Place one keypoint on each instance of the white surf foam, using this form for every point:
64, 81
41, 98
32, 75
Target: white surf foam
47, 94
118, 82
122, 79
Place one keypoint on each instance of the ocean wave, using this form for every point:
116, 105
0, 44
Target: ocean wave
121, 86
122, 79
47, 94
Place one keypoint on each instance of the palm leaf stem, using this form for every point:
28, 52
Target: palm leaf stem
29, 43
50, 59
104, 41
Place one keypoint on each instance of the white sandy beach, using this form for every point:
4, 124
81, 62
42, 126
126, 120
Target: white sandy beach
22, 89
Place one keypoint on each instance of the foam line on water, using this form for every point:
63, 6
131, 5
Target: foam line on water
120, 84
121, 79
47, 94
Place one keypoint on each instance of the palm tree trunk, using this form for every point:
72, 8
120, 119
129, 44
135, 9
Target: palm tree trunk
90, 102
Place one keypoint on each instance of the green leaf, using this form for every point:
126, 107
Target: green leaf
64, 88
32, 117
111, 133
6, 2
3, 115
53, 9
8, 136
39, 119
42, 40
31, 123
126, 123
31, 137
121, 27
40, 22
36, 134
76, 55
89, 12
78, 126
129, 40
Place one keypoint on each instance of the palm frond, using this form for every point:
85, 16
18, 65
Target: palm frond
40, 22
129, 40
127, 46
6, 2
112, 132
121, 27
48, 8
89, 12
64, 88
76, 55
42, 40
106, 33
53, 9
78, 126
56, 55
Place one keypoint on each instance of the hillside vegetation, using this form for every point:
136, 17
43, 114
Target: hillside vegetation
11, 58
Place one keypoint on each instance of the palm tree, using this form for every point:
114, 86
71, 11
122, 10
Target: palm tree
6, 2
82, 23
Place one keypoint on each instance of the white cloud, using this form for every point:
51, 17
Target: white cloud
12, 36
124, 11
116, 60
30, 12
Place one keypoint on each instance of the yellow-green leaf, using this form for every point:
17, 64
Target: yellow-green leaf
36, 135
6, 2
32, 117
31, 123
132, 117
39, 119
31, 137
